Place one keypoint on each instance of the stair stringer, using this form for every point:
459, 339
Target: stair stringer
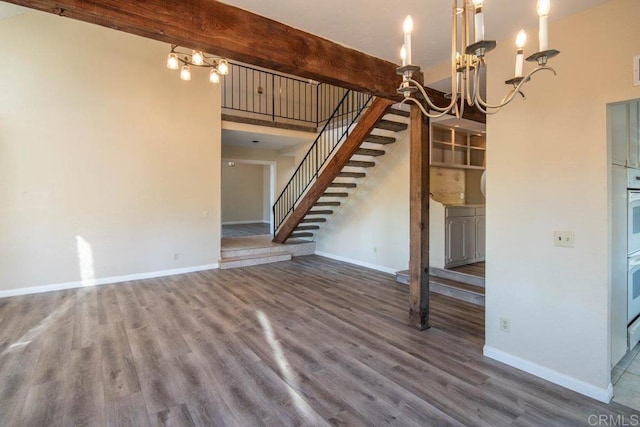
334, 166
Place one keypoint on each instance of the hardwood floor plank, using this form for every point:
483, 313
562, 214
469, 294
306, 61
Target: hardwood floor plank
311, 341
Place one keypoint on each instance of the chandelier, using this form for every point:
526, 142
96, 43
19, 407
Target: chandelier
468, 60
219, 66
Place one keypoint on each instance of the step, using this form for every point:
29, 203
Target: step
369, 152
457, 276
379, 139
398, 112
327, 204
359, 164
320, 212
352, 175
391, 125
308, 220
331, 194
307, 227
450, 288
251, 246
343, 185
249, 260
298, 235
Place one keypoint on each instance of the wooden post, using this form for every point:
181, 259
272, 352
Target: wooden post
419, 221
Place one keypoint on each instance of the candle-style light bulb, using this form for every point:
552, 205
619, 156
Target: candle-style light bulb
478, 19
544, 6
403, 55
521, 40
407, 28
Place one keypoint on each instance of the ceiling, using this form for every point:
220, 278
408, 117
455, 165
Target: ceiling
275, 141
375, 26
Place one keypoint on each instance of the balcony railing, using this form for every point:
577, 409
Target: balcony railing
278, 97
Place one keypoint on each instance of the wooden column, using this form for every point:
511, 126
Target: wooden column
419, 221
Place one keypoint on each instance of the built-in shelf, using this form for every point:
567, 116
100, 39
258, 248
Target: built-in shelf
457, 148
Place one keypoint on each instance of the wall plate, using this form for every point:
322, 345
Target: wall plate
636, 70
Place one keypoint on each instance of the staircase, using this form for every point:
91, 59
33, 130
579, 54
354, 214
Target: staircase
453, 284
347, 146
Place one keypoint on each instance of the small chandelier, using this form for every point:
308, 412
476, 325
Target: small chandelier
468, 59
219, 66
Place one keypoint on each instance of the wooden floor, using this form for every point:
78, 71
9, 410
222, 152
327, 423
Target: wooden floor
306, 342
244, 230
475, 269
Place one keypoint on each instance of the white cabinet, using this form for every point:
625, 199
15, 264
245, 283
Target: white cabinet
624, 128
464, 235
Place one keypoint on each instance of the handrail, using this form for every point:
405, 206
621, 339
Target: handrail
336, 128
254, 91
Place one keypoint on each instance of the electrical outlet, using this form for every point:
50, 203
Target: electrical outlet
505, 325
564, 238
636, 70
375, 250
461, 196
176, 257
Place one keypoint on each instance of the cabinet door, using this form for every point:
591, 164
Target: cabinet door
634, 142
454, 240
469, 238
480, 237
633, 159
619, 125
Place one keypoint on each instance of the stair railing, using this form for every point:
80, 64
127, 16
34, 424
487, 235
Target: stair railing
334, 131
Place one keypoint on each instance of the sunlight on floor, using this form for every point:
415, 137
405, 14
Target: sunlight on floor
85, 262
301, 405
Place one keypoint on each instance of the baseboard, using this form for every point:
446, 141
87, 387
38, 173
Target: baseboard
104, 281
602, 394
358, 262
258, 221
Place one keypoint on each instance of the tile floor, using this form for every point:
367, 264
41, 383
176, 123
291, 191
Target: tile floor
626, 380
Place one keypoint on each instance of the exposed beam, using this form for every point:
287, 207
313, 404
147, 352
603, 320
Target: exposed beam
419, 220
237, 34
337, 162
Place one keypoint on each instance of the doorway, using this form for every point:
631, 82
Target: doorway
248, 192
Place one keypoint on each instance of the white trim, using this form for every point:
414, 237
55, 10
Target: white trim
105, 280
257, 221
358, 262
602, 394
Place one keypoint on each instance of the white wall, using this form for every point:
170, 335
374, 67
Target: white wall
548, 171
243, 188
103, 151
285, 165
372, 226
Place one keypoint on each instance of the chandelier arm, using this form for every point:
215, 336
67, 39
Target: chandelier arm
424, 111
509, 97
454, 98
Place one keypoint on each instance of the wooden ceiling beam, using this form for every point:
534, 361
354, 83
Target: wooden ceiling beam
237, 34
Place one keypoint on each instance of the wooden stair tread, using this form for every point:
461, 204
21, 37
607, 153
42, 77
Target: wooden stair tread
327, 204
380, 139
330, 194
370, 152
320, 212
391, 125
343, 185
398, 112
306, 220
307, 227
359, 164
352, 174
448, 282
295, 234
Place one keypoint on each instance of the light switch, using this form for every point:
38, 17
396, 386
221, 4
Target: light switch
636, 70
564, 238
